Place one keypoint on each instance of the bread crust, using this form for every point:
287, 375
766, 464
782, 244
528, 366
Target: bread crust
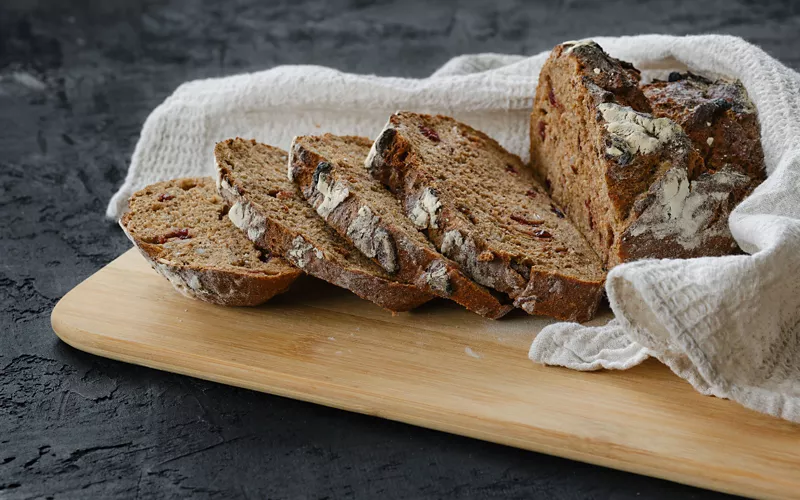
383, 241
717, 115
268, 231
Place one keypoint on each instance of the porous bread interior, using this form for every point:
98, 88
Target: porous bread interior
349, 153
498, 195
566, 151
260, 170
186, 220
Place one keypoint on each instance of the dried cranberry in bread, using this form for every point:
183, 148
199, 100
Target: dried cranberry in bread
330, 172
274, 215
482, 207
181, 227
634, 183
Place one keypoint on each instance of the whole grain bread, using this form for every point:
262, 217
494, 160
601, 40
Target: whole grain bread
483, 208
634, 182
330, 172
181, 227
272, 212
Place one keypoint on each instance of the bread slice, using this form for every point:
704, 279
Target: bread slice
633, 182
482, 207
181, 227
372, 219
270, 209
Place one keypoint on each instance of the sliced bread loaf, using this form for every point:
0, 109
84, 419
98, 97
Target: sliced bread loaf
482, 207
181, 227
625, 170
274, 215
330, 172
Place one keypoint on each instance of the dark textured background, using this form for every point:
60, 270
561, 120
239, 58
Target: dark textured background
77, 79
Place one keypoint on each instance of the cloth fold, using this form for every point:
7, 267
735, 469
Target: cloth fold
728, 325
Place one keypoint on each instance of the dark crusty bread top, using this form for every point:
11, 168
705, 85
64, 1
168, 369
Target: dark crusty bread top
492, 191
606, 77
718, 117
373, 220
270, 208
182, 227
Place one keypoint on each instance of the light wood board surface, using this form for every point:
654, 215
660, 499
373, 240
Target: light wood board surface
438, 367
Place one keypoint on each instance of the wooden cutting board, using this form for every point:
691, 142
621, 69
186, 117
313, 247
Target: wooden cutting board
438, 367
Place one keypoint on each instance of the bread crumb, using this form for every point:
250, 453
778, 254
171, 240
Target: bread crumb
472, 353
597, 71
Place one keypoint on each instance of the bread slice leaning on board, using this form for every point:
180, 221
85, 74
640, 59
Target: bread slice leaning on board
482, 207
182, 228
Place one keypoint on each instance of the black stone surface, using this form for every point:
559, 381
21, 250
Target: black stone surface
77, 79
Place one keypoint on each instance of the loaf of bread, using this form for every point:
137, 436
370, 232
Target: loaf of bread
647, 172
619, 171
483, 208
181, 227
330, 172
270, 209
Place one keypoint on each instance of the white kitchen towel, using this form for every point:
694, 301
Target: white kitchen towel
728, 325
